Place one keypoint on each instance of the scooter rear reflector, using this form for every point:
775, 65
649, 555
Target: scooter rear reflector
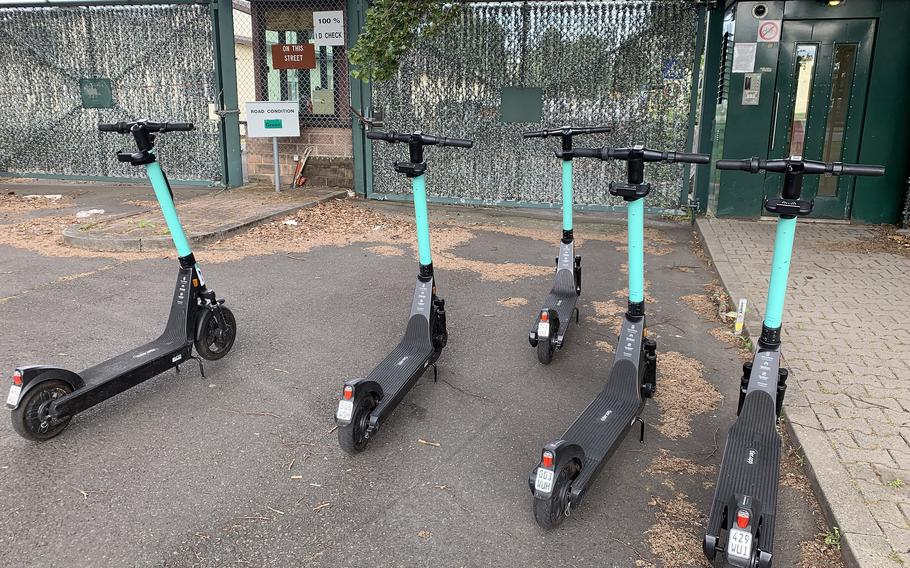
348, 392
17, 378
742, 518
547, 459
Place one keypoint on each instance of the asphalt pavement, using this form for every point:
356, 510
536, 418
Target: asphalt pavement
241, 467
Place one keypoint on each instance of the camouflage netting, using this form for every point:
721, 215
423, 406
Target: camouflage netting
623, 63
153, 61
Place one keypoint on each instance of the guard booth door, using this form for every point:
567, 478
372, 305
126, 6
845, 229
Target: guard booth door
820, 100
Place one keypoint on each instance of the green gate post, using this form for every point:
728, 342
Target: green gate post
715, 28
361, 100
693, 103
226, 81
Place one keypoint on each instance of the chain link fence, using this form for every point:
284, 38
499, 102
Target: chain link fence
278, 60
619, 62
65, 69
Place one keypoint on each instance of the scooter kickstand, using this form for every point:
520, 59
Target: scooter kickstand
199, 361
435, 373
641, 436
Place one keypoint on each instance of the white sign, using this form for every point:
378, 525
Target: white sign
769, 30
272, 119
744, 57
328, 28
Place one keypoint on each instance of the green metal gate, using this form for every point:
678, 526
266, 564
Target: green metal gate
625, 63
64, 69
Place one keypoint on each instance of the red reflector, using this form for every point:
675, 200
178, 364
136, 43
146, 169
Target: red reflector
348, 392
544, 316
547, 460
742, 518
17, 378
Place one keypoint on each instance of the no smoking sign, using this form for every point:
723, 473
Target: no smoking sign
769, 31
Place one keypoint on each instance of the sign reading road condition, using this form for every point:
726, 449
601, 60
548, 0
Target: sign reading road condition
328, 28
272, 119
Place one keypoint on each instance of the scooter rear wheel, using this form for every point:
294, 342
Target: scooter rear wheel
30, 418
352, 438
551, 512
545, 350
214, 343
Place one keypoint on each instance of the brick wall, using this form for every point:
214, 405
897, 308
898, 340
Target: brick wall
330, 162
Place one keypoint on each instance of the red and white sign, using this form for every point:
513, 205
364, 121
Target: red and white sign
769, 31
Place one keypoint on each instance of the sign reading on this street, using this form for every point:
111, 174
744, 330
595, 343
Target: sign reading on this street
294, 56
328, 28
272, 119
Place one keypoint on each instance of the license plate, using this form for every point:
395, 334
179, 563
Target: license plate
739, 545
345, 410
544, 482
543, 329
13, 397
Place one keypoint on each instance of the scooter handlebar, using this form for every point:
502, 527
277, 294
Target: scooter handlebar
755, 165
566, 131
607, 153
418, 138
126, 127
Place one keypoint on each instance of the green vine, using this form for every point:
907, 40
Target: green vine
391, 30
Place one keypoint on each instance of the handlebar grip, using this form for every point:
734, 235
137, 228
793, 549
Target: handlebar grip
692, 158
859, 170
112, 127
459, 142
597, 129
587, 153
178, 127
380, 135
744, 165
535, 134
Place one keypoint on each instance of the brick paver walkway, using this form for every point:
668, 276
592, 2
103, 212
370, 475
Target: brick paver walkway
846, 341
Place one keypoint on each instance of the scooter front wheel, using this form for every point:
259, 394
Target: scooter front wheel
552, 511
31, 418
213, 342
352, 437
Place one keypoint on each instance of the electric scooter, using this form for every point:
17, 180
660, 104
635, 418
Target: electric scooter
549, 329
569, 465
44, 399
365, 403
741, 522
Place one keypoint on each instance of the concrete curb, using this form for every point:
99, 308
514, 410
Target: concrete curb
75, 237
862, 542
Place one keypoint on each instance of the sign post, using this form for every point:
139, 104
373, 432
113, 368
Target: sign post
273, 119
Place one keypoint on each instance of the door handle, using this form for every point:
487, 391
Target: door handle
774, 119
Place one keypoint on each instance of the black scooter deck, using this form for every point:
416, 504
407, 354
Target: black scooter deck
750, 466
404, 364
605, 421
562, 298
132, 360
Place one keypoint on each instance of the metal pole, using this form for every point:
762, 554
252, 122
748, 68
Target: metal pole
277, 165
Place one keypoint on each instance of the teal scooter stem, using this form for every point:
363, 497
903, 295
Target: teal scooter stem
364, 404
166, 202
567, 197
743, 511
549, 329
419, 186
780, 271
